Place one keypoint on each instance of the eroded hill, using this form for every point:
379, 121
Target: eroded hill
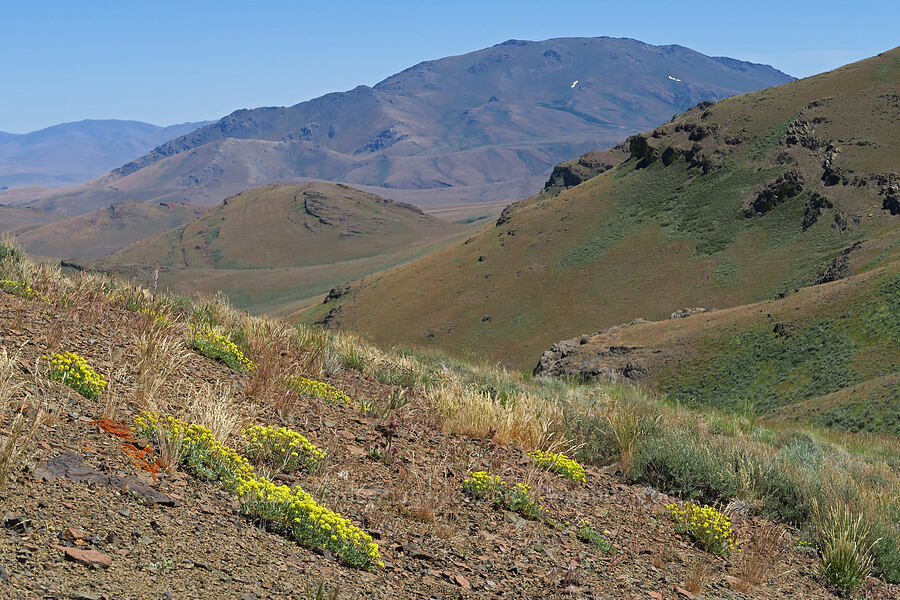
278, 245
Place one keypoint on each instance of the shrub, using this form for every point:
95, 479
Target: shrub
559, 463
516, 498
786, 494
214, 345
680, 463
707, 526
74, 371
282, 448
886, 551
21, 289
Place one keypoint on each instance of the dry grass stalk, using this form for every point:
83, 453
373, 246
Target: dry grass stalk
169, 450
19, 423
627, 423
213, 406
697, 576
159, 356
759, 554
112, 398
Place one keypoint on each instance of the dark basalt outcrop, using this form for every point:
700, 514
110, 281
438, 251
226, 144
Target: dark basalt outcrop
839, 267
814, 207
788, 185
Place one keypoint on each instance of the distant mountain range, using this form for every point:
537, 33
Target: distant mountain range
73, 153
488, 125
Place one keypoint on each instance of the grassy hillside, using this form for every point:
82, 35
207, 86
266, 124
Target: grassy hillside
727, 204
15, 218
411, 459
827, 354
106, 230
280, 246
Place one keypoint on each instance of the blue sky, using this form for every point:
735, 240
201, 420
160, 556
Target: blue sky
169, 62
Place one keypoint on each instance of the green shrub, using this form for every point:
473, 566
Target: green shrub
681, 463
886, 551
785, 494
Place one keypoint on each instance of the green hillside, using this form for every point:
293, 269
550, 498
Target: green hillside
727, 204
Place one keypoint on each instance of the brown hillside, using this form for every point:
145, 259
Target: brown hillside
106, 230
277, 245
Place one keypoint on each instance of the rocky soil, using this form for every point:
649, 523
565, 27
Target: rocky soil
82, 520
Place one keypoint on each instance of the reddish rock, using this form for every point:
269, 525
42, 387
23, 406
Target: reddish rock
70, 534
90, 558
462, 582
684, 592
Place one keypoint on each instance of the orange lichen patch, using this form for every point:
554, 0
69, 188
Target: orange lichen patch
142, 456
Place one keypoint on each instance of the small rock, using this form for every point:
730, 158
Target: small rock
70, 534
85, 596
462, 582
413, 550
16, 522
89, 558
684, 592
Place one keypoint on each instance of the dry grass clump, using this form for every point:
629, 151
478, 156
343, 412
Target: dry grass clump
628, 424
160, 355
759, 554
270, 343
214, 406
697, 576
845, 546
19, 422
526, 419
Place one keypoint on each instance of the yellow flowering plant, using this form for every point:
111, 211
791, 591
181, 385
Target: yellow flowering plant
212, 344
589, 535
319, 389
290, 510
282, 449
709, 527
74, 371
21, 289
559, 463
517, 498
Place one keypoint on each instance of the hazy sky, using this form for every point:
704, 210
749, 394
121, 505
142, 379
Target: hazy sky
167, 62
